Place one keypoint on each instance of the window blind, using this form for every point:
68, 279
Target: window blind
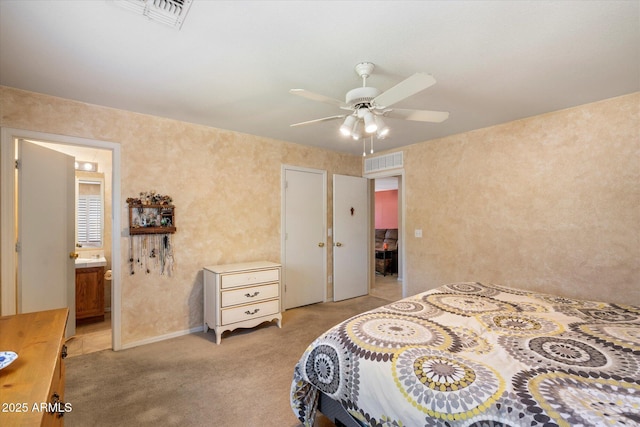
89, 221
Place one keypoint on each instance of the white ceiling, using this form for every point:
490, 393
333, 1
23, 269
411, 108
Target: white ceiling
233, 62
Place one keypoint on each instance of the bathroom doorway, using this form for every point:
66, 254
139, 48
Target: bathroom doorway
94, 176
106, 156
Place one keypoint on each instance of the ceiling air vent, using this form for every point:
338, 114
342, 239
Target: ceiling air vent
168, 12
383, 163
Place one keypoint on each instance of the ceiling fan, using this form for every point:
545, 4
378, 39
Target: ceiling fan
367, 105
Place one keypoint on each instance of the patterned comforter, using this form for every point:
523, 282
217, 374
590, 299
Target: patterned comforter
468, 354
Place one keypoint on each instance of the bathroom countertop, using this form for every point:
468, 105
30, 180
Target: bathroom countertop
91, 262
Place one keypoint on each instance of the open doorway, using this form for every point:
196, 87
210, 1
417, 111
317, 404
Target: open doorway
94, 176
10, 284
387, 282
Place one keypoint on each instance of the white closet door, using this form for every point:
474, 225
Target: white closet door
304, 259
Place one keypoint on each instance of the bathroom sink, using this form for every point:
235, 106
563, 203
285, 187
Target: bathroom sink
91, 262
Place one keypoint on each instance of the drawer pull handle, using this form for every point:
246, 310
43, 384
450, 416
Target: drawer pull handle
255, 294
252, 312
58, 404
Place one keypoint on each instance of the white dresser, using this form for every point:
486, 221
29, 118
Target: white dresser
241, 296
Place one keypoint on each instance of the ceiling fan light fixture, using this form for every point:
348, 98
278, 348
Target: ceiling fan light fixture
370, 125
347, 126
356, 133
367, 104
383, 129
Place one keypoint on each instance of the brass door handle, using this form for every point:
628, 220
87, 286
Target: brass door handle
338, 244
73, 255
321, 244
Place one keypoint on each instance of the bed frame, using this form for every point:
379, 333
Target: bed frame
336, 412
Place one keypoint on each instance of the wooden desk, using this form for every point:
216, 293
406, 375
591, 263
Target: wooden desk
32, 387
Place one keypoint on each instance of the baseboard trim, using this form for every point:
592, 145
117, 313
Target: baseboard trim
162, 337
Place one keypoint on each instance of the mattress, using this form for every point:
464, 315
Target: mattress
472, 354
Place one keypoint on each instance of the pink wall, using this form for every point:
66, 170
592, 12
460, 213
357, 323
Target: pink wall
387, 209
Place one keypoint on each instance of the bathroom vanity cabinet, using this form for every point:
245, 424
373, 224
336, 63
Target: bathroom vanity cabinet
90, 294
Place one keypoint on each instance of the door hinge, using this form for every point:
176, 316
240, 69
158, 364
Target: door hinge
17, 164
18, 247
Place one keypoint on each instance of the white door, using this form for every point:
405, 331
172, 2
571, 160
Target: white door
350, 237
46, 231
304, 255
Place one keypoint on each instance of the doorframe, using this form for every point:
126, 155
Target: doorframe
283, 222
8, 261
402, 232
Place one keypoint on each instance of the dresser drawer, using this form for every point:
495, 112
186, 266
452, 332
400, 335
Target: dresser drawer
241, 295
250, 278
250, 294
250, 311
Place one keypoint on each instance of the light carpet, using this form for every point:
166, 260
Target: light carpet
191, 381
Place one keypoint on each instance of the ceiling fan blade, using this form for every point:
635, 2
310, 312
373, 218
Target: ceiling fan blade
409, 86
418, 115
317, 97
324, 119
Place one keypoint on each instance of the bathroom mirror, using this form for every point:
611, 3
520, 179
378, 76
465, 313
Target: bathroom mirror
89, 210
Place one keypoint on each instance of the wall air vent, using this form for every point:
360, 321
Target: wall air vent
168, 12
383, 163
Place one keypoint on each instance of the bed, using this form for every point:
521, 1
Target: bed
471, 354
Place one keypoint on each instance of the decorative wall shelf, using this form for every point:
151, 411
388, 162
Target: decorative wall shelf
151, 219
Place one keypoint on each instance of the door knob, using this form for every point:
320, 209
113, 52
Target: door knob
338, 244
73, 255
321, 244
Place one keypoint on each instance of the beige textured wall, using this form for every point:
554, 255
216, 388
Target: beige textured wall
549, 203
225, 186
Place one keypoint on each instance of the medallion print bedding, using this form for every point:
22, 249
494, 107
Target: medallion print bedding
468, 354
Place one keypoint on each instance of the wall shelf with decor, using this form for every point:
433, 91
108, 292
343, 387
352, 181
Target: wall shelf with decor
152, 219
151, 213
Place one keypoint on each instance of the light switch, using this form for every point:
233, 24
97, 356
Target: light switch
418, 232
